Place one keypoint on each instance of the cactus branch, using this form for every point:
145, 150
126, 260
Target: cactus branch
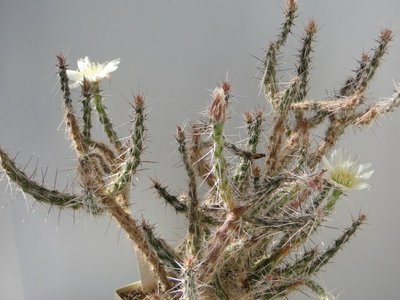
325, 257
71, 122
133, 158
374, 111
254, 131
373, 64
164, 252
303, 69
87, 109
318, 290
169, 198
270, 61
104, 118
36, 190
198, 157
193, 205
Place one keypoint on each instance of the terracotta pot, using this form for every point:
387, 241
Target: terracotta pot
130, 287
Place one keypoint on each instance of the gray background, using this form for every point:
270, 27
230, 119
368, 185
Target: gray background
176, 51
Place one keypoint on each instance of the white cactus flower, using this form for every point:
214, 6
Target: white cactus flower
345, 172
92, 71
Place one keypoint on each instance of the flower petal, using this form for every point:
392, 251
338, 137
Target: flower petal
327, 164
83, 64
74, 75
366, 175
361, 186
111, 66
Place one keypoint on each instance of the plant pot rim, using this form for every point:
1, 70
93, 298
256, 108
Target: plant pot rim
130, 287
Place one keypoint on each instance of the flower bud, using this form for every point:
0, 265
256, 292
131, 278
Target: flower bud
217, 110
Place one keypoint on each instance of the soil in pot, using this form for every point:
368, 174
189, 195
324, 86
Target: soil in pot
132, 295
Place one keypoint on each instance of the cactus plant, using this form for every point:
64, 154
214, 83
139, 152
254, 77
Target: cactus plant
250, 230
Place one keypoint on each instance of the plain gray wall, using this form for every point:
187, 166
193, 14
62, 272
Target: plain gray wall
176, 51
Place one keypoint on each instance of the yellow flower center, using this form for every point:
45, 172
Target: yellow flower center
344, 177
